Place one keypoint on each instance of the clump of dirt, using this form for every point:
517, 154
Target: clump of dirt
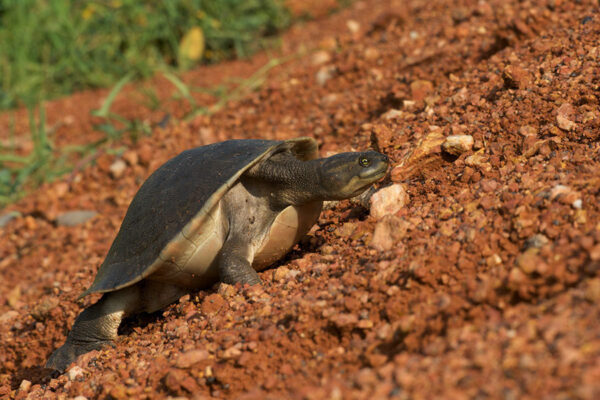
484, 284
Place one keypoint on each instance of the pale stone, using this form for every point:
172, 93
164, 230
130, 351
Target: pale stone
388, 200
458, 144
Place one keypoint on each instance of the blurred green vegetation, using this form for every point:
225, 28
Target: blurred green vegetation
51, 48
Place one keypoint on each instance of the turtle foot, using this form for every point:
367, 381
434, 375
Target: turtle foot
62, 357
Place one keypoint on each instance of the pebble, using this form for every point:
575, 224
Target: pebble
387, 232
76, 217
117, 168
213, 304
388, 200
25, 386
7, 217
391, 114
563, 117
324, 74
458, 144
191, 357
420, 89
43, 308
529, 261
320, 57
74, 373
566, 195
131, 157
8, 316
232, 352
592, 291
353, 26
536, 241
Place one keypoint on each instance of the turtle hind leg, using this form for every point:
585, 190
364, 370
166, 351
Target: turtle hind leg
96, 326
234, 265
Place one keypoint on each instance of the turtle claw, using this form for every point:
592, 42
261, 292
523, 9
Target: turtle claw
62, 357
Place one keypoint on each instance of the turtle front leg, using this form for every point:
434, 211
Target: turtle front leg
96, 326
235, 263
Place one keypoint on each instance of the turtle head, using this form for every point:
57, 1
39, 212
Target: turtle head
346, 175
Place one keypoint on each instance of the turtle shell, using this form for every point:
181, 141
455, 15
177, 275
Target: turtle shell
181, 191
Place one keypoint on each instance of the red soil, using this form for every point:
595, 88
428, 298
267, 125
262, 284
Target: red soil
489, 287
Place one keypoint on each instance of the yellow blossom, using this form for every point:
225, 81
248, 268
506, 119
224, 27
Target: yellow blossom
88, 11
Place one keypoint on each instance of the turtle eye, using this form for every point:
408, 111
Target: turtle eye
364, 162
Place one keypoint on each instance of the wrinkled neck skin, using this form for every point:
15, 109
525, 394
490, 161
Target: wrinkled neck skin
291, 181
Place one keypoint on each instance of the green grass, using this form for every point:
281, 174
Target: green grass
51, 48
68, 45
44, 163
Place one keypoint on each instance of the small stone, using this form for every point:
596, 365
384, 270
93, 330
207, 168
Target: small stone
420, 89
536, 241
516, 276
80, 398
478, 160
25, 386
564, 116
7, 217
191, 357
117, 168
371, 53
594, 253
365, 324
214, 304
527, 130
281, 274
528, 261
344, 320
515, 77
76, 217
320, 57
391, 114
387, 232
175, 380
577, 204
145, 154
227, 291
232, 352
74, 373
353, 26
592, 291
324, 74
388, 200
131, 157
564, 194
8, 316
41, 310
458, 144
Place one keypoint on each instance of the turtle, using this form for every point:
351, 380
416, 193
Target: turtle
214, 213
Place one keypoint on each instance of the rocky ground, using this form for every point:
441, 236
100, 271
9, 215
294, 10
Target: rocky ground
480, 280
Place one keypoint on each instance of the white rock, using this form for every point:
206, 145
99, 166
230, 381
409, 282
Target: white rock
353, 26
458, 144
76, 217
117, 168
388, 200
324, 74
391, 114
320, 57
25, 386
74, 373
